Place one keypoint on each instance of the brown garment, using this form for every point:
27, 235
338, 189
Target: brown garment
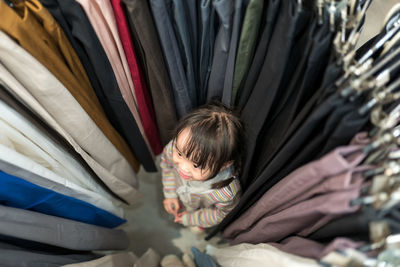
33, 27
148, 48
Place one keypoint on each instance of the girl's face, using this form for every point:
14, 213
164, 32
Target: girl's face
186, 168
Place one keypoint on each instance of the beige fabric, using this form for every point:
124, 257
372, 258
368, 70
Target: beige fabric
126, 259
149, 259
44, 94
249, 255
171, 261
188, 261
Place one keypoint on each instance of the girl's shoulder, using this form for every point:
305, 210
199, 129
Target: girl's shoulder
229, 191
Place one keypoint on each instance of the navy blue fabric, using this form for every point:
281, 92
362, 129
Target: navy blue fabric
18, 193
202, 259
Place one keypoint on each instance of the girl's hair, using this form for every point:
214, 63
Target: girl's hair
216, 137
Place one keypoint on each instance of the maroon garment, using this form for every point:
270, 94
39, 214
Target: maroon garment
295, 185
144, 102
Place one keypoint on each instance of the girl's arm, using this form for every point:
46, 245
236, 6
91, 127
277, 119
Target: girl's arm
226, 199
168, 178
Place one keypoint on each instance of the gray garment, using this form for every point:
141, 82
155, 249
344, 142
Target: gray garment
182, 25
172, 56
123, 259
207, 38
225, 10
12, 256
240, 7
59, 232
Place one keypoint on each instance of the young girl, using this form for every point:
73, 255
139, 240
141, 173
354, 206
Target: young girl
200, 164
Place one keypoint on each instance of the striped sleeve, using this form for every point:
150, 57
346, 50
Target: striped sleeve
168, 178
224, 199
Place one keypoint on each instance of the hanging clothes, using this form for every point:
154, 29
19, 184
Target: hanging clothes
182, 25
12, 255
239, 7
172, 56
206, 47
144, 105
80, 130
247, 45
103, 21
145, 38
32, 35
80, 33
225, 10
56, 231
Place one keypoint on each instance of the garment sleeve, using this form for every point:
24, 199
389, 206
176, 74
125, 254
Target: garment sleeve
227, 198
168, 178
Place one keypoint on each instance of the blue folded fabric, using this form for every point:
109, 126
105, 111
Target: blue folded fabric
18, 193
203, 259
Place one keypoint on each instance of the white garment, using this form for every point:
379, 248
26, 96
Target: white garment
99, 200
249, 255
48, 98
27, 148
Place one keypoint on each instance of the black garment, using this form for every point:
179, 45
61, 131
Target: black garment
147, 46
273, 9
255, 114
80, 33
356, 225
240, 8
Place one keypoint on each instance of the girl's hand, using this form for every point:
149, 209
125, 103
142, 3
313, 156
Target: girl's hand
171, 205
178, 217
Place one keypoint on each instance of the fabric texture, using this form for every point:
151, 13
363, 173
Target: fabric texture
43, 94
182, 25
247, 45
295, 187
146, 41
18, 193
40, 35
225, 10
206, 207
172, 56
202, 259
82, 36
249, 255
38, 227
101, 16
122, 259
11, 255
144, 104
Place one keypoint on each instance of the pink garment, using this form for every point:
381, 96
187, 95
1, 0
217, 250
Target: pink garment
294, 185
101, 17
144, 101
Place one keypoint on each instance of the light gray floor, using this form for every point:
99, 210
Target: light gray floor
150, 226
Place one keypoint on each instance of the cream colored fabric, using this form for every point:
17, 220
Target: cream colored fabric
126, 259
171, 261
22, 145
149, 259
249, 255
39, 90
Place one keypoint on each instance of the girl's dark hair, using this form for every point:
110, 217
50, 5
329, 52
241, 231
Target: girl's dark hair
216, 137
